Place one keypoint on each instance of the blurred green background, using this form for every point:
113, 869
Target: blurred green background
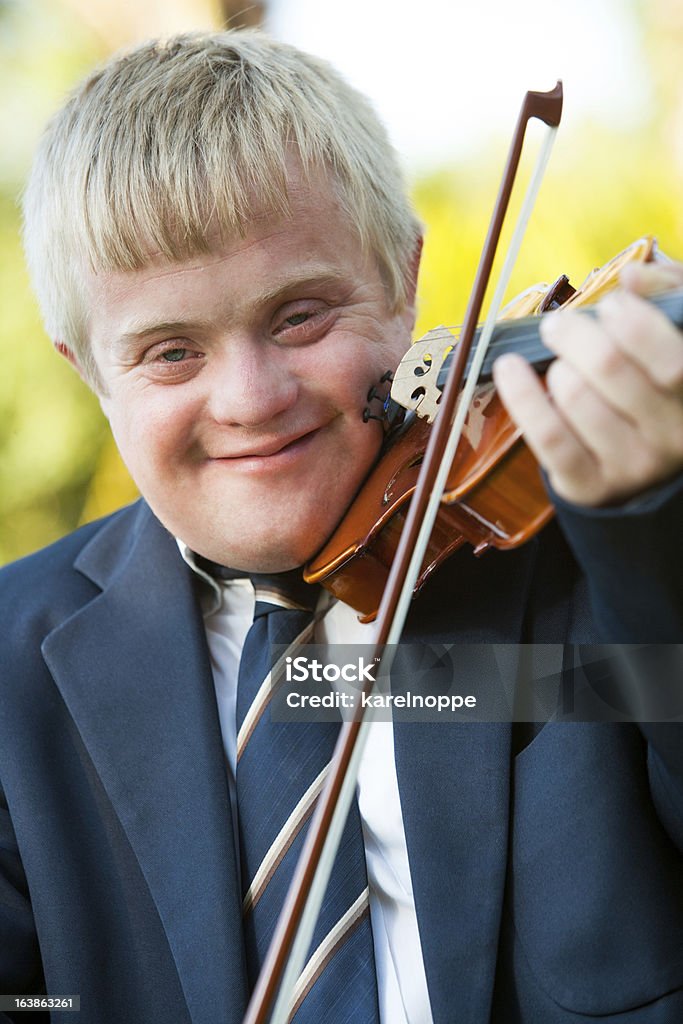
606, 186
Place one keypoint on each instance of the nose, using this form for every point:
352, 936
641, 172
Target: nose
251, 384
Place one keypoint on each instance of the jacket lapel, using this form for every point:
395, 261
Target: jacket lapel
134, 671
454, 780
457, 774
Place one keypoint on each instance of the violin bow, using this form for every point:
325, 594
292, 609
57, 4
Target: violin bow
286, 956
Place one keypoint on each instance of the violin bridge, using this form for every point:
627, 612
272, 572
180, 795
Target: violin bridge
415, 384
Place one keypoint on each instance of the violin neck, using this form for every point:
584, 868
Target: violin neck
522, 336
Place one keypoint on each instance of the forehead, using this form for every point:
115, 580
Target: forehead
309, 210
313, 241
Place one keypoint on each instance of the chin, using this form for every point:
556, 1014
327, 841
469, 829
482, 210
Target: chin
276, 538
270, 554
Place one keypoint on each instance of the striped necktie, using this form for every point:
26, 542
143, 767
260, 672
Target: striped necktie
281, 768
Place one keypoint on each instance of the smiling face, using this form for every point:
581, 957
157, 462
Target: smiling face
235, 381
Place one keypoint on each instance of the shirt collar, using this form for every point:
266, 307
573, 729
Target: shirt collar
213, 599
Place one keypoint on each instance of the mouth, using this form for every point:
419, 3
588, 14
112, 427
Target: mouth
274, 454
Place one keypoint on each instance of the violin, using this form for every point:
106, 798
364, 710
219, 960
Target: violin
494, 496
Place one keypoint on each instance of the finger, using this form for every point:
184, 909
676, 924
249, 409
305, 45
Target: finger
626, 460
572, 469
593, 352
647, 336
650, 278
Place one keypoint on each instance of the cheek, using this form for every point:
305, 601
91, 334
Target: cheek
150, 439
361, 367
387, 358
356, 454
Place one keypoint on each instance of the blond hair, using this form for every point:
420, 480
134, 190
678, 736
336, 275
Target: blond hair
172, 136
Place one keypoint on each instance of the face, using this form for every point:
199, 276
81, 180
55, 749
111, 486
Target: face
235, 382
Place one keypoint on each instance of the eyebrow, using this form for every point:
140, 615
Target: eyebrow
308, 280
142, 329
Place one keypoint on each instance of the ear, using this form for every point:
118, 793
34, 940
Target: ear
69, 355
411, 273
413, 270
72, 358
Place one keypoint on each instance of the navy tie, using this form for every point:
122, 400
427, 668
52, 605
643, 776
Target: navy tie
281, 768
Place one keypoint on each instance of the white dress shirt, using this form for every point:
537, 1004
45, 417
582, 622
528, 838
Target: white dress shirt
228, 613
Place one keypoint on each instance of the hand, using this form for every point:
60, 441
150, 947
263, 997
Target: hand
610, 424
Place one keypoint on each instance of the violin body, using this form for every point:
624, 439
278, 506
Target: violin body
494, 496
499, 501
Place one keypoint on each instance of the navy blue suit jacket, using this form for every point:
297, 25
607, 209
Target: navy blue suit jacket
548, 874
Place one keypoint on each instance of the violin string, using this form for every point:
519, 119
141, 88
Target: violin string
526, 344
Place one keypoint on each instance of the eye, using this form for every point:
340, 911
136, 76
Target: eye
174, 362
173, 355
302, 322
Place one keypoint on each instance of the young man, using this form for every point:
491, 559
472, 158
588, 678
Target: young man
222, 247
